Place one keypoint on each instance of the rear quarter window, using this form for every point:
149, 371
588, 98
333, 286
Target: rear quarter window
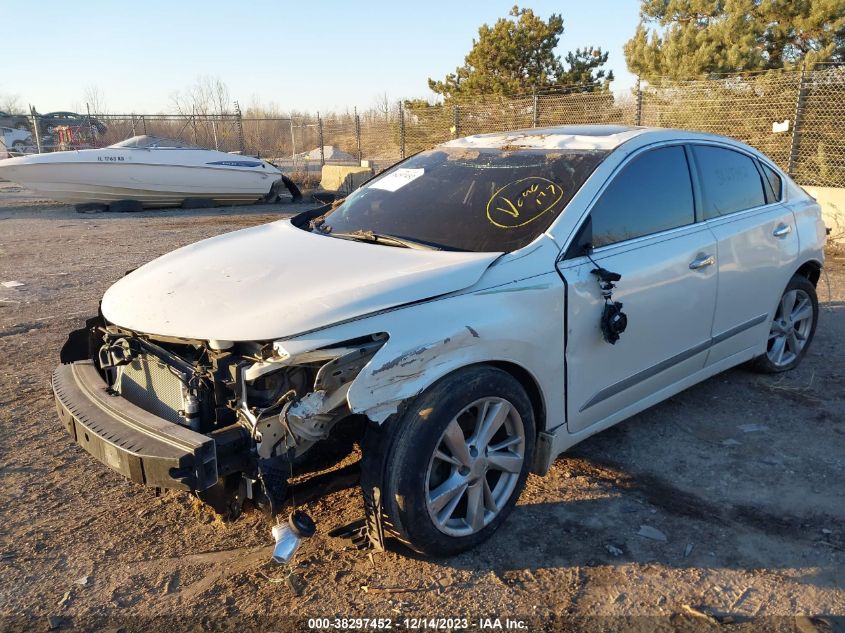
775, 182
730, 181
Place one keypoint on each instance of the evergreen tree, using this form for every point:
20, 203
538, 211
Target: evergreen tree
686, 39
517, 55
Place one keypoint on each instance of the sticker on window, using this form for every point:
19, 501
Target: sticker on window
523, 201
397, 179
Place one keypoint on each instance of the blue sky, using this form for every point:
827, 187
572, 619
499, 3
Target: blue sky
317, 55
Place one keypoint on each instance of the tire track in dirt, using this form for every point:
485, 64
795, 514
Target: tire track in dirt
685, 504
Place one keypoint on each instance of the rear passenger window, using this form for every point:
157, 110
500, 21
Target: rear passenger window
730, 181
774, 181
652, 193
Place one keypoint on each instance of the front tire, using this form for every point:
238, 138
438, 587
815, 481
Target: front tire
792, 328
459, 460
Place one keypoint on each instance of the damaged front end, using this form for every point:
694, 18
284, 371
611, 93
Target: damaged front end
229, 421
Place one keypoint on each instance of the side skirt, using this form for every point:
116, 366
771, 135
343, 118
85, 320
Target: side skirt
561, 440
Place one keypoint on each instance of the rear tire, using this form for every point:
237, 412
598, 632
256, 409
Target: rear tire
458, 461
792, 328
91, 207
197, 203
126, 206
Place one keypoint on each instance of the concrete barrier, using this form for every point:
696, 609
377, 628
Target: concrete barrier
344, 178
832, 200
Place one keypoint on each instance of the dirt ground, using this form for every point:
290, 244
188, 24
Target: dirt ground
742, 475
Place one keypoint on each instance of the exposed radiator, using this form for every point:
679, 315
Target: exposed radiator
153, 386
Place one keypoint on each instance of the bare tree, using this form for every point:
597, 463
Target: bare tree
382, 106
11, 103
94, 99
209, 95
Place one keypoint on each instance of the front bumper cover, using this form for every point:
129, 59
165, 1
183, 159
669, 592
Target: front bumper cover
139, 445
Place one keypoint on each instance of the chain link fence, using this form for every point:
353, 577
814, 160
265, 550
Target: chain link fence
795, 117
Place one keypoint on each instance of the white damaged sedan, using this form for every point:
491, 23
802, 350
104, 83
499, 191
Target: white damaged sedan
466, 316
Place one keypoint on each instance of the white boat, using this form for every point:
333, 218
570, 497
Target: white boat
155, 171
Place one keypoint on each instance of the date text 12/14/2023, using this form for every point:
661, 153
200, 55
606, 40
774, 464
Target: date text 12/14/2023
418, 623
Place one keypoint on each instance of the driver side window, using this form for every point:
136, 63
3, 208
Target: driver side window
652, 193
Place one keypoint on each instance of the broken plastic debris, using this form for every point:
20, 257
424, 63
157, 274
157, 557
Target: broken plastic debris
12, 284
613, 550
308, 406
752, 428
700, 614
653, 533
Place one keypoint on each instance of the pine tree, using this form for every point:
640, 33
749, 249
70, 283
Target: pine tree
687, 39
517, 55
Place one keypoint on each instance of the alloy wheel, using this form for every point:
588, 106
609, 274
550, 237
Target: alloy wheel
475, 467
790, 328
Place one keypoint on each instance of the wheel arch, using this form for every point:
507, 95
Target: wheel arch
406, 388
532, 388
812, 270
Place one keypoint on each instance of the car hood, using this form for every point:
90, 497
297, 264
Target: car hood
274, 281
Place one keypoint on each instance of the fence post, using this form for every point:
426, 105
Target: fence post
91, 128
214, 131
456, 123
401, 131
798, 120
240, 122
292, 144
639, 115
322, 143
535, 113
35, 128
358, 134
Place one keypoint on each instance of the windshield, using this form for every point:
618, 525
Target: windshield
154, 142
484, 200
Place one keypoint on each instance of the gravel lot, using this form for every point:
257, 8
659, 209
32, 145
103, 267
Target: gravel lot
742, 475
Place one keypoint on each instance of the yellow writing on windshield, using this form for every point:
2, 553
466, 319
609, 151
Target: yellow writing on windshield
523, 201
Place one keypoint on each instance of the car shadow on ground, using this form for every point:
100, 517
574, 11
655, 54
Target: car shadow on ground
646, 491
607, 531
49, 210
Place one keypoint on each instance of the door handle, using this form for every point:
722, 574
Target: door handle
701, 261
782, 230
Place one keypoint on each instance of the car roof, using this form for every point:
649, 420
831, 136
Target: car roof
583, 137
602, 137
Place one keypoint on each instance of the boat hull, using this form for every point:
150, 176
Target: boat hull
85, 179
